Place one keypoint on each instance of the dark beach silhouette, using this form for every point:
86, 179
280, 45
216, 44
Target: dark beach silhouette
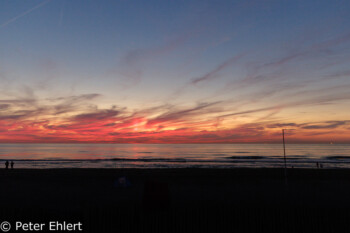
156, 196
227, 200
12, 164
7, 164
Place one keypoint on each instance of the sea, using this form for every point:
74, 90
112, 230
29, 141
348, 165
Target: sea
46, 156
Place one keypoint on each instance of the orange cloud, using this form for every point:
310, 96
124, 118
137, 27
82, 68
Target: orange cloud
73, 119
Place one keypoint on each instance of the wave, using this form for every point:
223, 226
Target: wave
337, 157
101, 160
146, 160
289, 157
248, 157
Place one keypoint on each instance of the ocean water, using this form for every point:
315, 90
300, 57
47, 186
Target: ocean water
40, 156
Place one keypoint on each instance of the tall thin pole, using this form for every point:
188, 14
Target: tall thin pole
284, 156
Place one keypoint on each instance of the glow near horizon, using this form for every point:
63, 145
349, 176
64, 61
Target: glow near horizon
165, 72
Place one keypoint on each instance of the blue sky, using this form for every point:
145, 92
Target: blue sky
243, 55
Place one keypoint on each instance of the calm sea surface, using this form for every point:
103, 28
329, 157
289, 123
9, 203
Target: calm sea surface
174, 155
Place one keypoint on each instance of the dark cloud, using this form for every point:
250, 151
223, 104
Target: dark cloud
11, 117
310, 125
282, 125
75, 98
325, 125
109, 125
4, 106
71, 103
24, 108
21, 102
98, 115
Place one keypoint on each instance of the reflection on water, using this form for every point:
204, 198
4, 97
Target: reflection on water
173, 155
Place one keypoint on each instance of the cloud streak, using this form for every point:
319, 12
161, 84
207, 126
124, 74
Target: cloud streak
216, 71
202, 123
24, 14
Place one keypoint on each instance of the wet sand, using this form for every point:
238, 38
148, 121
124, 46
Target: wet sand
178, 200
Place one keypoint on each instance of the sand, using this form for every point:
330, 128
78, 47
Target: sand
178, 200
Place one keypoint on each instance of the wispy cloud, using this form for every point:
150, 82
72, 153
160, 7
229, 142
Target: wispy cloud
325, 125
313, 50
24, 14
160, 124
200, 109
97, 115
216, 71
60, 21
134, 63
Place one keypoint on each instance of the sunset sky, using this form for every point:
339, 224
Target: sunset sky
174, 71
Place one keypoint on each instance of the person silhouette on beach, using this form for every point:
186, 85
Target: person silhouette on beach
12, 163
7, 164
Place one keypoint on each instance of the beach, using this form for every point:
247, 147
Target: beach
176, 200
